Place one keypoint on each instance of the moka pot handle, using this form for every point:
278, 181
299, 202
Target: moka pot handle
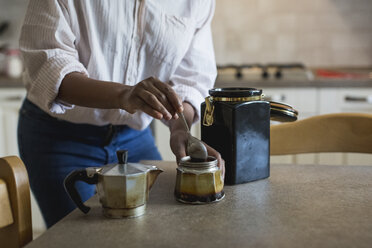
86, 175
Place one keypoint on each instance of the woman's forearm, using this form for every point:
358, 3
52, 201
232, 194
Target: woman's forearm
78, 89
150, 96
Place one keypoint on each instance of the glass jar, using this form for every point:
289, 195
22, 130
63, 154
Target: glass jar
199, 182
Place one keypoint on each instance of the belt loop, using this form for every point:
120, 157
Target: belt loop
109, 135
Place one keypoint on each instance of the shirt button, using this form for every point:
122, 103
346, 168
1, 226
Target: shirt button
136, 39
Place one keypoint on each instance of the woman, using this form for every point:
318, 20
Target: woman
97, 72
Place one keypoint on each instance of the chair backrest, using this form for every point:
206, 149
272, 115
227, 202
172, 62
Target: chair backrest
341, 132
16, 231
6, 215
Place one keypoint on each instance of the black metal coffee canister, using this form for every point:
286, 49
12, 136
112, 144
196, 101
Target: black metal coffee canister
236, 122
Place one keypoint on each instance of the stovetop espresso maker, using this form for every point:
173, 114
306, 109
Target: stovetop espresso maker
236, 122
123, 188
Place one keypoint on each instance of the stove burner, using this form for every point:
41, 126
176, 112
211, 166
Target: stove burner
239, 68
265, 69
279, 68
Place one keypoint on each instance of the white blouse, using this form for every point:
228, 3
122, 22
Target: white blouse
123, 41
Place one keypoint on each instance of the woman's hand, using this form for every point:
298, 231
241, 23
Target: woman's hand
178, 144
178, 137
153, 97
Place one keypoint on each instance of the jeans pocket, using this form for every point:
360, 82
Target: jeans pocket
32, 112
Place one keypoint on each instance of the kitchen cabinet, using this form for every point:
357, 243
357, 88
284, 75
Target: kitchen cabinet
338, 100
314, 101
309, 101
306, 102
10, 102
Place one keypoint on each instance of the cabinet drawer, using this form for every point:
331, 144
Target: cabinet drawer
334, 100
304, 100
356, 100
12, 97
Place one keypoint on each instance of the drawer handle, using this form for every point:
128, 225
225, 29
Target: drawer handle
364, 99
277, 98
12, 98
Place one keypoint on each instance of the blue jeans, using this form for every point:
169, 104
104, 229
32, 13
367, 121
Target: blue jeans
52, 148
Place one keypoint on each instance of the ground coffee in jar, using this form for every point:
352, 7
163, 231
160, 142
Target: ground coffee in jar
199, 182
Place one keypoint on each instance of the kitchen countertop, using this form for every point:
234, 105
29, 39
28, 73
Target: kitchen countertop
298, 206
6, 82
298, 83
358, 77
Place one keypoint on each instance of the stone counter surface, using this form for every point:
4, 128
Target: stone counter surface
298, 206
294, 83
358, 78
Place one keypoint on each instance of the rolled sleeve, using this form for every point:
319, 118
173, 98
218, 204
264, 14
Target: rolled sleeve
49, 54
197, 71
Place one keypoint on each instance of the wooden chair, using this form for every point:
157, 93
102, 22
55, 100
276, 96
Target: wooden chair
341, 132
15, 204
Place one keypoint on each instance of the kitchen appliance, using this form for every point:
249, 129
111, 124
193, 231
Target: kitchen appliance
123, 188
199, 182
236, 122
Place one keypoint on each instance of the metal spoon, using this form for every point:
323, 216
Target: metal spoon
195, 148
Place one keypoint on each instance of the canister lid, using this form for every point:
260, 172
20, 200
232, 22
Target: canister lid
282, 112
123, 168
235, 92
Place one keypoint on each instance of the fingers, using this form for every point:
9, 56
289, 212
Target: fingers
162, 98
217, 155
181, 153
158, 96
222, 166
148, 110
170, 94
153, 103
178, 143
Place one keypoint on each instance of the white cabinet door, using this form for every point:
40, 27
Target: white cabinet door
306, 102
312, 101
335, 100
10, 102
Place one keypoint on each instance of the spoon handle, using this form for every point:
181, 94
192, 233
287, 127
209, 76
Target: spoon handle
184, 121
